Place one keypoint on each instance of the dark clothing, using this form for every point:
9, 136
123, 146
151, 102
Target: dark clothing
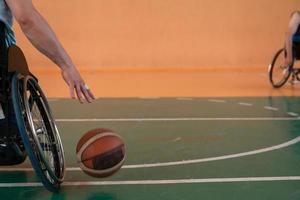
3, 47
296, 44
10, 151
296, 36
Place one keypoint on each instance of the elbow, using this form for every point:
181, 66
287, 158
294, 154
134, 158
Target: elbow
26, 21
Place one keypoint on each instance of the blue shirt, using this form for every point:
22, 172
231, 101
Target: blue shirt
7, 18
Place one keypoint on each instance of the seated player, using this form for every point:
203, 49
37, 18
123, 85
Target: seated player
292, 41
42, 37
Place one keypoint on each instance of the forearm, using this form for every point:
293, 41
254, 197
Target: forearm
289, 45
44, 39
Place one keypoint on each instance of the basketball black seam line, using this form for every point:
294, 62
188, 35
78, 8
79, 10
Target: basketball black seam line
90, 158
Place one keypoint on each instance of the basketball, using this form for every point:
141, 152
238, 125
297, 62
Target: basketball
100, 152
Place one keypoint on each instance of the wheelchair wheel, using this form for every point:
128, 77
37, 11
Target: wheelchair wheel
38, 131
278, 72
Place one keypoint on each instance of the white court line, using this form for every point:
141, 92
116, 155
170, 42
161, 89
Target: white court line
245, 104
185, 162
176, 139
217, 100
181, 119
293, 114
225, 157
158, 182
270, 108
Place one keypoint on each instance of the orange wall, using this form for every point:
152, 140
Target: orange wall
165, 33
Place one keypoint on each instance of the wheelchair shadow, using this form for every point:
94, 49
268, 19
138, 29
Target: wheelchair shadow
84, 195
13, 177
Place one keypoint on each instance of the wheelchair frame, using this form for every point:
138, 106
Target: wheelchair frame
34, 118
284, 71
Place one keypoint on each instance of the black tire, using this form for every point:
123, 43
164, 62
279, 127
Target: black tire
38, 131
278, 72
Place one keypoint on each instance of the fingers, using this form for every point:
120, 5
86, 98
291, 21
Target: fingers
87, 93
71, 88
83, 93
77, 86
91, 94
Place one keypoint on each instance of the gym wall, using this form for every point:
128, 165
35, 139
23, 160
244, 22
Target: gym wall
165, 33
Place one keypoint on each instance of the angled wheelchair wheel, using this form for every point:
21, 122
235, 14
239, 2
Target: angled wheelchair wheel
38, 131
278, 72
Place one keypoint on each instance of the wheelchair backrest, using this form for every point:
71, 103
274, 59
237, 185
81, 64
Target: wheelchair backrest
17, 61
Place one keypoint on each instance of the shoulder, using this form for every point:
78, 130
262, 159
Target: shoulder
295, 14
295, 18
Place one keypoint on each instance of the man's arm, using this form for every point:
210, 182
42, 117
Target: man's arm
40, 34
292, 28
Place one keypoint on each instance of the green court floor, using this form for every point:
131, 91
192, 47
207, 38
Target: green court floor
179, 148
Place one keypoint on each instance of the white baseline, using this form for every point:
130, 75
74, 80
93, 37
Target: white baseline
158, 182
182, 119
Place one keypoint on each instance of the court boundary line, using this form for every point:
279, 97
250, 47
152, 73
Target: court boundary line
180, 119
185, 162
157, 182
224, 157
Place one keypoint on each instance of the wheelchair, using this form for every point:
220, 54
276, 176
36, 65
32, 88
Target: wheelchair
278, 72
26, 110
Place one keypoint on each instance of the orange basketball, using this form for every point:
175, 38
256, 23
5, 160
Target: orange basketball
100, 152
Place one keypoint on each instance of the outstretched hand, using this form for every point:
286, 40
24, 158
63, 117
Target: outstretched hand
77, 85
